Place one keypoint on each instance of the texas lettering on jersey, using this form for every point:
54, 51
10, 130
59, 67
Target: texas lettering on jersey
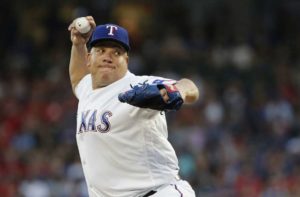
89, 118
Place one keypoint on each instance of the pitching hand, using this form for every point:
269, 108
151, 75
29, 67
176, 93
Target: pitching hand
81, 39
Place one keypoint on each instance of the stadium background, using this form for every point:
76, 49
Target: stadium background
242, 139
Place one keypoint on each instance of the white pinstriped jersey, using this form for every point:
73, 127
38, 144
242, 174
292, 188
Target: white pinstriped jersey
123, 149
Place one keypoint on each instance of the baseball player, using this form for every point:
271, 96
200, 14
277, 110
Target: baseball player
121, 125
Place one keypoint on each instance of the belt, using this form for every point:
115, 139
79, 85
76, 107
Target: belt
150, 193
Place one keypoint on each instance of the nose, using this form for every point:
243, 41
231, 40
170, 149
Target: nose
107, 58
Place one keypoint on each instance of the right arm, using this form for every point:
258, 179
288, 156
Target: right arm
79, 52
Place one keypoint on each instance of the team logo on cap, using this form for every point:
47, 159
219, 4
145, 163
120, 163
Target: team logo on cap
112, 29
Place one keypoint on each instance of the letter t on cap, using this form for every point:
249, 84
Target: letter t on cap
112, 29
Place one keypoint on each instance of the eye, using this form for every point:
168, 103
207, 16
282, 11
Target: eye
99, 50
117, 52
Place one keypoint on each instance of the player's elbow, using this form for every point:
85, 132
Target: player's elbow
191, 98
189, 91
192, 95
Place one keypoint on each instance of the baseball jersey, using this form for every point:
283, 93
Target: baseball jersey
123, 149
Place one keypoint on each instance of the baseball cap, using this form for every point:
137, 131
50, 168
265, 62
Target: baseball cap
110, 32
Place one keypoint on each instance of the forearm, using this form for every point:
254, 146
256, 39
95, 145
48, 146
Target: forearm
78, 60
188, 90
77, 66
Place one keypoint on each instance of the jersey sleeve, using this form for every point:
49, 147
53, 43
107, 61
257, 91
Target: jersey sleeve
151, 80
160, 80
83, 87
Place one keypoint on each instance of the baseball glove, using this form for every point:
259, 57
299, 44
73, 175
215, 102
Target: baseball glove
149, 96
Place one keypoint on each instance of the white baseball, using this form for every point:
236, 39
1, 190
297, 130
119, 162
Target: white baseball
82, 25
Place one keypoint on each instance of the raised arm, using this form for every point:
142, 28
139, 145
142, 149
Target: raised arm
188, 90
79, 52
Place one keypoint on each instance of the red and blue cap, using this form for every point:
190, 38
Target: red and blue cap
110, 32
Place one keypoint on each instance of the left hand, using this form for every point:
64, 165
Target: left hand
164, 94
158, 97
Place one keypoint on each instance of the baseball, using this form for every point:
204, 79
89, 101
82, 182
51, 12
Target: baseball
82, 25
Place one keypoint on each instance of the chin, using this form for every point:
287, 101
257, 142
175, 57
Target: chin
106, 78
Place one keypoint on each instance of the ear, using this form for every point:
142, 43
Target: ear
127, 58
88, 58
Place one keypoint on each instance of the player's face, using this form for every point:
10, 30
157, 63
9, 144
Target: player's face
107, 63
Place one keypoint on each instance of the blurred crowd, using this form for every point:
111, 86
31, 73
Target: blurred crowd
242, 139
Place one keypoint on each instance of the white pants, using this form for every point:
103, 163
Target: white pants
179, 188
